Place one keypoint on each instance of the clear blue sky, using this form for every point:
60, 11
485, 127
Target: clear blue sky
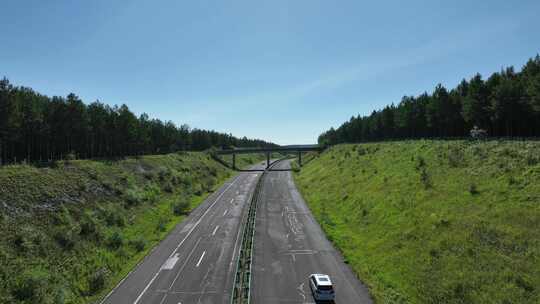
283, 71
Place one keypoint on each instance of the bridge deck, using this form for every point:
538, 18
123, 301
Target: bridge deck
293, 148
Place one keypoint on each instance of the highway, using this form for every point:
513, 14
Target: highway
196, 262
290, 245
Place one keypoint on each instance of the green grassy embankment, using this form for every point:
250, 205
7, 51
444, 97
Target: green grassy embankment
72, 231
433, 221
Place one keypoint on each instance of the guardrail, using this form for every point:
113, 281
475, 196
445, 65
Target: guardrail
242, 281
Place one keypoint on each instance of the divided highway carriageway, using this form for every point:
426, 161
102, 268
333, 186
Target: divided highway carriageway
197, 261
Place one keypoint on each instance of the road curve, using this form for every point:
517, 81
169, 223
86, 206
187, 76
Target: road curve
195, 263
290, 245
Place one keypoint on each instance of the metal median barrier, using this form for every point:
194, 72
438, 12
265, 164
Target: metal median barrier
242, 281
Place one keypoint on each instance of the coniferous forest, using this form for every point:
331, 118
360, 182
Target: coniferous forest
35, 127
507, 104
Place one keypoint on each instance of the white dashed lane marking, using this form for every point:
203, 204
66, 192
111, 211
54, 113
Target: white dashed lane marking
200, 259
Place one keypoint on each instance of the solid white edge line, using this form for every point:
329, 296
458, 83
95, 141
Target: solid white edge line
200, 259
188, 234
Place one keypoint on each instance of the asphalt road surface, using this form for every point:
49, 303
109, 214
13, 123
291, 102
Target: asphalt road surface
196, 262
290, 245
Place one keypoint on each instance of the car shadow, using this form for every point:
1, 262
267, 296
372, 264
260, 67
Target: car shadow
324, 302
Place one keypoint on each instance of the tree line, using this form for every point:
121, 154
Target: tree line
35, 127
507, 104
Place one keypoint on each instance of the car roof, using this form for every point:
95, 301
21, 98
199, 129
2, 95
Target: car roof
322, 279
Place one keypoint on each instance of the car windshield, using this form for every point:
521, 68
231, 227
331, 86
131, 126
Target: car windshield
325, 287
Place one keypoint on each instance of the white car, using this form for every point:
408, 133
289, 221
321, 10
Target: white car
321, 287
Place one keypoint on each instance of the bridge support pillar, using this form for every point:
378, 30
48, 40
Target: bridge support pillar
300, 158
234, 161
267, 160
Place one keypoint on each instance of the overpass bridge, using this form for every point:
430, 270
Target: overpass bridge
269, 150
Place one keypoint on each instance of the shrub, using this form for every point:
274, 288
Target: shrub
477, 133
83, 187
71, 156
124, 178
151, 193
66, 238
139, 244
163, 173
39, 241
68, 158
479, 152
212, 152
181, 207
187, 180
420, 162
21, 240
116, 240
133, 197
97, 280
114, 218
197, 189
524, 284
425, 178
456, 157
62, 216
93, 175
162, 224
150, 175
473, 189
531, 159
90, 229
208, 183
168, 187
60, 296
32, 288
361, 151
506, 152
118, 189
176, 179
108, 186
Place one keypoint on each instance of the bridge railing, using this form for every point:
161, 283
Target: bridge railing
268, 151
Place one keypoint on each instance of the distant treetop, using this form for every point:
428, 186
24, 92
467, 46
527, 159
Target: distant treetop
35, 127
507, 104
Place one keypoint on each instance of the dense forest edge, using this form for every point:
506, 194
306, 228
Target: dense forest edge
38, 128
506, 104
432, 221
72, 230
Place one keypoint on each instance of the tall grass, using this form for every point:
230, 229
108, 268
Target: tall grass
433, 221
70, 232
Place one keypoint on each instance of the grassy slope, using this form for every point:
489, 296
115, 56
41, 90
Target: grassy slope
71, 232
433, 221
